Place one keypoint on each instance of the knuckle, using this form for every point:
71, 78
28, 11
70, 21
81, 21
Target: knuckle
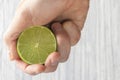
10, 37
75, 39
32, 74
73, 32
50, 69
64, 59
47, 71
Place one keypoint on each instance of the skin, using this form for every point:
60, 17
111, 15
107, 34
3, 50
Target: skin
67, 18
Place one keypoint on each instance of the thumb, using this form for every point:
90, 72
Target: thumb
31, 12
20, 21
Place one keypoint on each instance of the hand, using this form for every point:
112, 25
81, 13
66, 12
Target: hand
67, 17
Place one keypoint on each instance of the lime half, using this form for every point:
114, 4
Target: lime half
35, 44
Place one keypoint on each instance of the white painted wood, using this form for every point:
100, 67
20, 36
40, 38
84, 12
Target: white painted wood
95, 57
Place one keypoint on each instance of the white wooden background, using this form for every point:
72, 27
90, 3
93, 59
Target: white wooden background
95, 57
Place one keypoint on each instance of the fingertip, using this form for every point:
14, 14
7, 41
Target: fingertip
56, 26
21, 65
50, 69
53, 59
63, 41
35, 69
64, 59
73, 32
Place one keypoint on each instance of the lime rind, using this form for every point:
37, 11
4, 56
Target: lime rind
40, 57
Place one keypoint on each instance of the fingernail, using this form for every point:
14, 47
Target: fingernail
56, 26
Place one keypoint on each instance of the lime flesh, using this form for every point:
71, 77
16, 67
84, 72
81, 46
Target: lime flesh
35, 44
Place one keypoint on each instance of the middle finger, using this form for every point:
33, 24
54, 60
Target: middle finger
63, 41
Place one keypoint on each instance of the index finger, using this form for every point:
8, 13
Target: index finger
19, 23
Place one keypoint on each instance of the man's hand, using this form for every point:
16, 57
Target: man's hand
67, 19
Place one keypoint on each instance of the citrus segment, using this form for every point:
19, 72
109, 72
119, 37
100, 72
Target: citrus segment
35, 44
